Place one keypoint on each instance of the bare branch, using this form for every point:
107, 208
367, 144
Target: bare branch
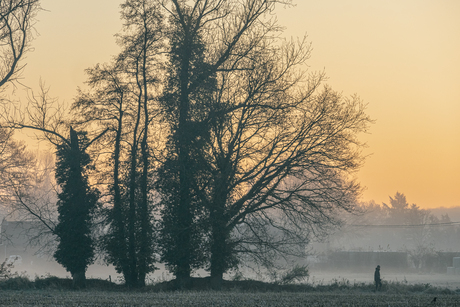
16, 25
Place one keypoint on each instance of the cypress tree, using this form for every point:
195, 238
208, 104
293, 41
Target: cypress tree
77, 201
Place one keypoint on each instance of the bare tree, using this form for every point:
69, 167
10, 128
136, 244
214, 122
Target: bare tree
15, 163
122, 97
206, 37
21, 174
27, 191
17, 18
256, 148
35, 201
108, 105
281, 174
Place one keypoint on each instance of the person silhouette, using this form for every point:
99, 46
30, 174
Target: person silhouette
378, 281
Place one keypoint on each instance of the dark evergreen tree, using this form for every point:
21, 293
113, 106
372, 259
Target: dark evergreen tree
77, 202
184, 173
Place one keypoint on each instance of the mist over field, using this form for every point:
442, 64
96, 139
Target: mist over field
412, 254
209, 151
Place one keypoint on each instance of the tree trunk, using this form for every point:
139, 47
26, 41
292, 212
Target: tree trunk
117, 211
132, 254
79, 279
221, 253
185, 221
183, 282
219, 250
144, 241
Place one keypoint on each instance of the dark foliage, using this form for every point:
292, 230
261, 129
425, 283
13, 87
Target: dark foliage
184, 171
77, 202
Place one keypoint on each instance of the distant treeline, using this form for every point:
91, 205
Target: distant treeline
361, 261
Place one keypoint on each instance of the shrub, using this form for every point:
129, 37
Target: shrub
297, 274
5, 269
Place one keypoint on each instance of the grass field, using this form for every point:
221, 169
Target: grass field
220, 298
338, 291
436, 280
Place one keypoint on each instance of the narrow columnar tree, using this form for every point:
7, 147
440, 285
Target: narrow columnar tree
181, 177
77, 202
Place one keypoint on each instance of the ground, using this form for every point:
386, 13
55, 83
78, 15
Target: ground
321, 289
438, 280
217, 298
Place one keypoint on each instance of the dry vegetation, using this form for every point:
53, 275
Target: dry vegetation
53, 291
218, 298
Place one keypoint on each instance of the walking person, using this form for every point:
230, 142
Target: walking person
378, 281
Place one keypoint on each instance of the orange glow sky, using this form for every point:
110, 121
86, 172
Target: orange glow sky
402, 57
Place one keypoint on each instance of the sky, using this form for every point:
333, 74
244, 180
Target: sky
402, 57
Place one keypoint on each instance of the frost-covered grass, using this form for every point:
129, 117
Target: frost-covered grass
53, 291
220, 298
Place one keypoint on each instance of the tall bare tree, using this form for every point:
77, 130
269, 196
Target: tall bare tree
257, 145
17, 18
205, 38
21, 175
107, 105
122, 99
280, 174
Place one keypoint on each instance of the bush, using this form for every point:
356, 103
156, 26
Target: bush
297, 274
5, 269
16, 283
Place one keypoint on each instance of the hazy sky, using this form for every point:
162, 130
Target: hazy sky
402, 57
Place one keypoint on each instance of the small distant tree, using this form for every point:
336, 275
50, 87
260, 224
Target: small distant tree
401, 213
413, 228
77, 202
398, 208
